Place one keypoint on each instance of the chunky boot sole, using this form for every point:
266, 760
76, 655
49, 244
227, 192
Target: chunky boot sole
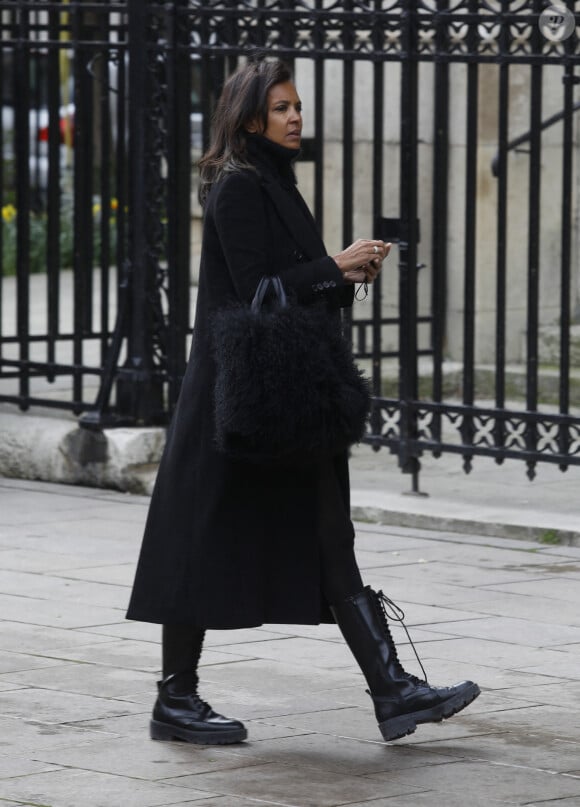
165, 731
397, 727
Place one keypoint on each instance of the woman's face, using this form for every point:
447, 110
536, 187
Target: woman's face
284, 122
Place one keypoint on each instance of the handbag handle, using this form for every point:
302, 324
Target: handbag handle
262, 290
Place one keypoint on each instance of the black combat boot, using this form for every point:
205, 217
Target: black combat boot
185, 716
179, 713
401, 700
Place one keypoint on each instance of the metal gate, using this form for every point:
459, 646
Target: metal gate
64, 197
445, 126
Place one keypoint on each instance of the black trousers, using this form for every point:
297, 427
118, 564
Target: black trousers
339, 573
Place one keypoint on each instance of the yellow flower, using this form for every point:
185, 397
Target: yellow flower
8, 213
96, 209
114, 204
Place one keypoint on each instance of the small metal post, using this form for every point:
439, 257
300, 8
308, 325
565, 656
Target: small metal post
415, 468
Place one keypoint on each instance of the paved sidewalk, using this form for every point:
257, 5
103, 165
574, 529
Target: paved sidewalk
77, 680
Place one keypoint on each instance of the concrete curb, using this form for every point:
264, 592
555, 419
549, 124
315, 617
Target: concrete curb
492, 529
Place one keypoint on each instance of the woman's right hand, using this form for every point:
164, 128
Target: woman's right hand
362, 260
360, 253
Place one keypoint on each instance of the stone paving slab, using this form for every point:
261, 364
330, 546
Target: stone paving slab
225, 801
111, 683
52, 586
571, 802
491, 678
555, 694
12, 766
40, 561
334, 656
429, 800
51, 706
559, 586
312, 787
131, 631
147, 760
529, 633
567, 667
41, 640
11, 662
275, 678
538, 609
466, 776
357, 759
22, 737
555, 755
118, 653
56, 613
71, 788
489, 653
77, 680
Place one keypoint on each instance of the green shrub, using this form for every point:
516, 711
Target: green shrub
38, 223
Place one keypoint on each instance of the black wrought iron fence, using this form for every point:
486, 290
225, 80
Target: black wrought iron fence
409, 105
64, 196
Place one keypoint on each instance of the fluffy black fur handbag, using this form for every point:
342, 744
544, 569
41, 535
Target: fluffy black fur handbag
287, 388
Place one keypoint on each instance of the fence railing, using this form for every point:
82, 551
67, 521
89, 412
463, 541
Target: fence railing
64, 197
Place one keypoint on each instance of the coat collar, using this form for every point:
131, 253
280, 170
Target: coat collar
295, 216
279, 183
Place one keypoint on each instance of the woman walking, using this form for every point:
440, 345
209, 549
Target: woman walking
235, 544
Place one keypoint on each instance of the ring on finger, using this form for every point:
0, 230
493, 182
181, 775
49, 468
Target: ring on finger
376, 249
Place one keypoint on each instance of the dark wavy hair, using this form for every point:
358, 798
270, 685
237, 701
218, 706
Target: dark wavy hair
244, 100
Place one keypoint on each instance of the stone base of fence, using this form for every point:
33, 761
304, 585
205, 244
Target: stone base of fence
56, 449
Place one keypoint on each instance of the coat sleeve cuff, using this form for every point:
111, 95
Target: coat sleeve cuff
317, 280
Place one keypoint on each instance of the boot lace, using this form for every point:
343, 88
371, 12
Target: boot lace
204, 706
390, 610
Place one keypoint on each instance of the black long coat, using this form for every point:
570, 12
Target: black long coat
229, 544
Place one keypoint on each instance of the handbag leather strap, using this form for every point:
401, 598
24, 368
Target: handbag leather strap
267, 282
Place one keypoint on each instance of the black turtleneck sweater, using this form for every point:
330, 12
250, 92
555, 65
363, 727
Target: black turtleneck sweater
279, 161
